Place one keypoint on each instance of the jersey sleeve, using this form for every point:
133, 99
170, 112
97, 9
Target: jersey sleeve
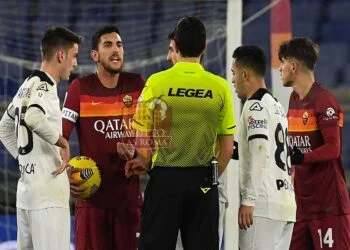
328, 112
7, 131
143, 118
251, 176
329, 118
256, 120
227, 124
38, 96
36, 115
71, 108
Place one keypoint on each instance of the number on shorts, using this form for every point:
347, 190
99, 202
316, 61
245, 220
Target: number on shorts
327, 239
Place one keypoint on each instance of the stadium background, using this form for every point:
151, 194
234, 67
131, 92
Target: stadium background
144, 26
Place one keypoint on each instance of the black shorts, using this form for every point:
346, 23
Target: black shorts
180, 199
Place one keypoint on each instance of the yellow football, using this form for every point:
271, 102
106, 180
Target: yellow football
89, 173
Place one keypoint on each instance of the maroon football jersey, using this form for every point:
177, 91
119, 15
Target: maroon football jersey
102, 117
320, 186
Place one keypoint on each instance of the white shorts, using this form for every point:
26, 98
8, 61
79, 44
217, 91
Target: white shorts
43, 229
266, 234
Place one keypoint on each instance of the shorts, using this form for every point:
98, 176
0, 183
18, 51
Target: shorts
42, 229
106, 228
266, 234
331, 232
180, 199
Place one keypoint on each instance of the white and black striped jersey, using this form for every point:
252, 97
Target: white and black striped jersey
29, 129
264, 165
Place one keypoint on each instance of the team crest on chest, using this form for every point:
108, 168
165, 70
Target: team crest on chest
127, 100
305, 117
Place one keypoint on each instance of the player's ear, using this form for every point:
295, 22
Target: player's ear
295, 67
60, 55
245, 74
205, 49
94, 55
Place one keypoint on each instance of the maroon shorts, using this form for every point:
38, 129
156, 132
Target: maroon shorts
331, 232
106, 228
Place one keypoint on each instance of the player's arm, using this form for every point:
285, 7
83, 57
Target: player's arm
35, 116
328, 119
127, 151
251, 180
38, 123
143, 125
255, 162
330, 150
225, 130
224, 150
143, 155
8, 131
36, 119
70, 116
71, 108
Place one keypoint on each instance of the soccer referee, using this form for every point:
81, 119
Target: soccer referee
184, 119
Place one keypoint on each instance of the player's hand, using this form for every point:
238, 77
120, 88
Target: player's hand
297, 156
245, 216
75, 189
135, 167
65, 156
125, 151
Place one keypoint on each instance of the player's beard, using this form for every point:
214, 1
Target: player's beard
288, 84
112, 71
288, 79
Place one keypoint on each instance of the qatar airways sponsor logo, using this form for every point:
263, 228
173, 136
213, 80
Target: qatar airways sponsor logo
115, 128
302, 142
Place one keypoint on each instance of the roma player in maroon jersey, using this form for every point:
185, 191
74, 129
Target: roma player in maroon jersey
315, 122
101, 106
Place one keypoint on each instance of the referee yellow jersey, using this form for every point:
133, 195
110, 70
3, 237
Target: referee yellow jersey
184, 108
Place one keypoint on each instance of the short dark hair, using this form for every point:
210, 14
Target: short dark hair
171, 35
252, 57
190, 36
104, 30
300, 48
58, 37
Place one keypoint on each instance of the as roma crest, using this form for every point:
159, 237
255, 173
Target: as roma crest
305, 117
127, 100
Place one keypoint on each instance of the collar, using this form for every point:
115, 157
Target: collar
188, 65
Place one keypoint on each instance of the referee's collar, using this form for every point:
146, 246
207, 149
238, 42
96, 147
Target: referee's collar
188, 65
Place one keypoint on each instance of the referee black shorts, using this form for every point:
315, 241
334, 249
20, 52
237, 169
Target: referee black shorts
180, 199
